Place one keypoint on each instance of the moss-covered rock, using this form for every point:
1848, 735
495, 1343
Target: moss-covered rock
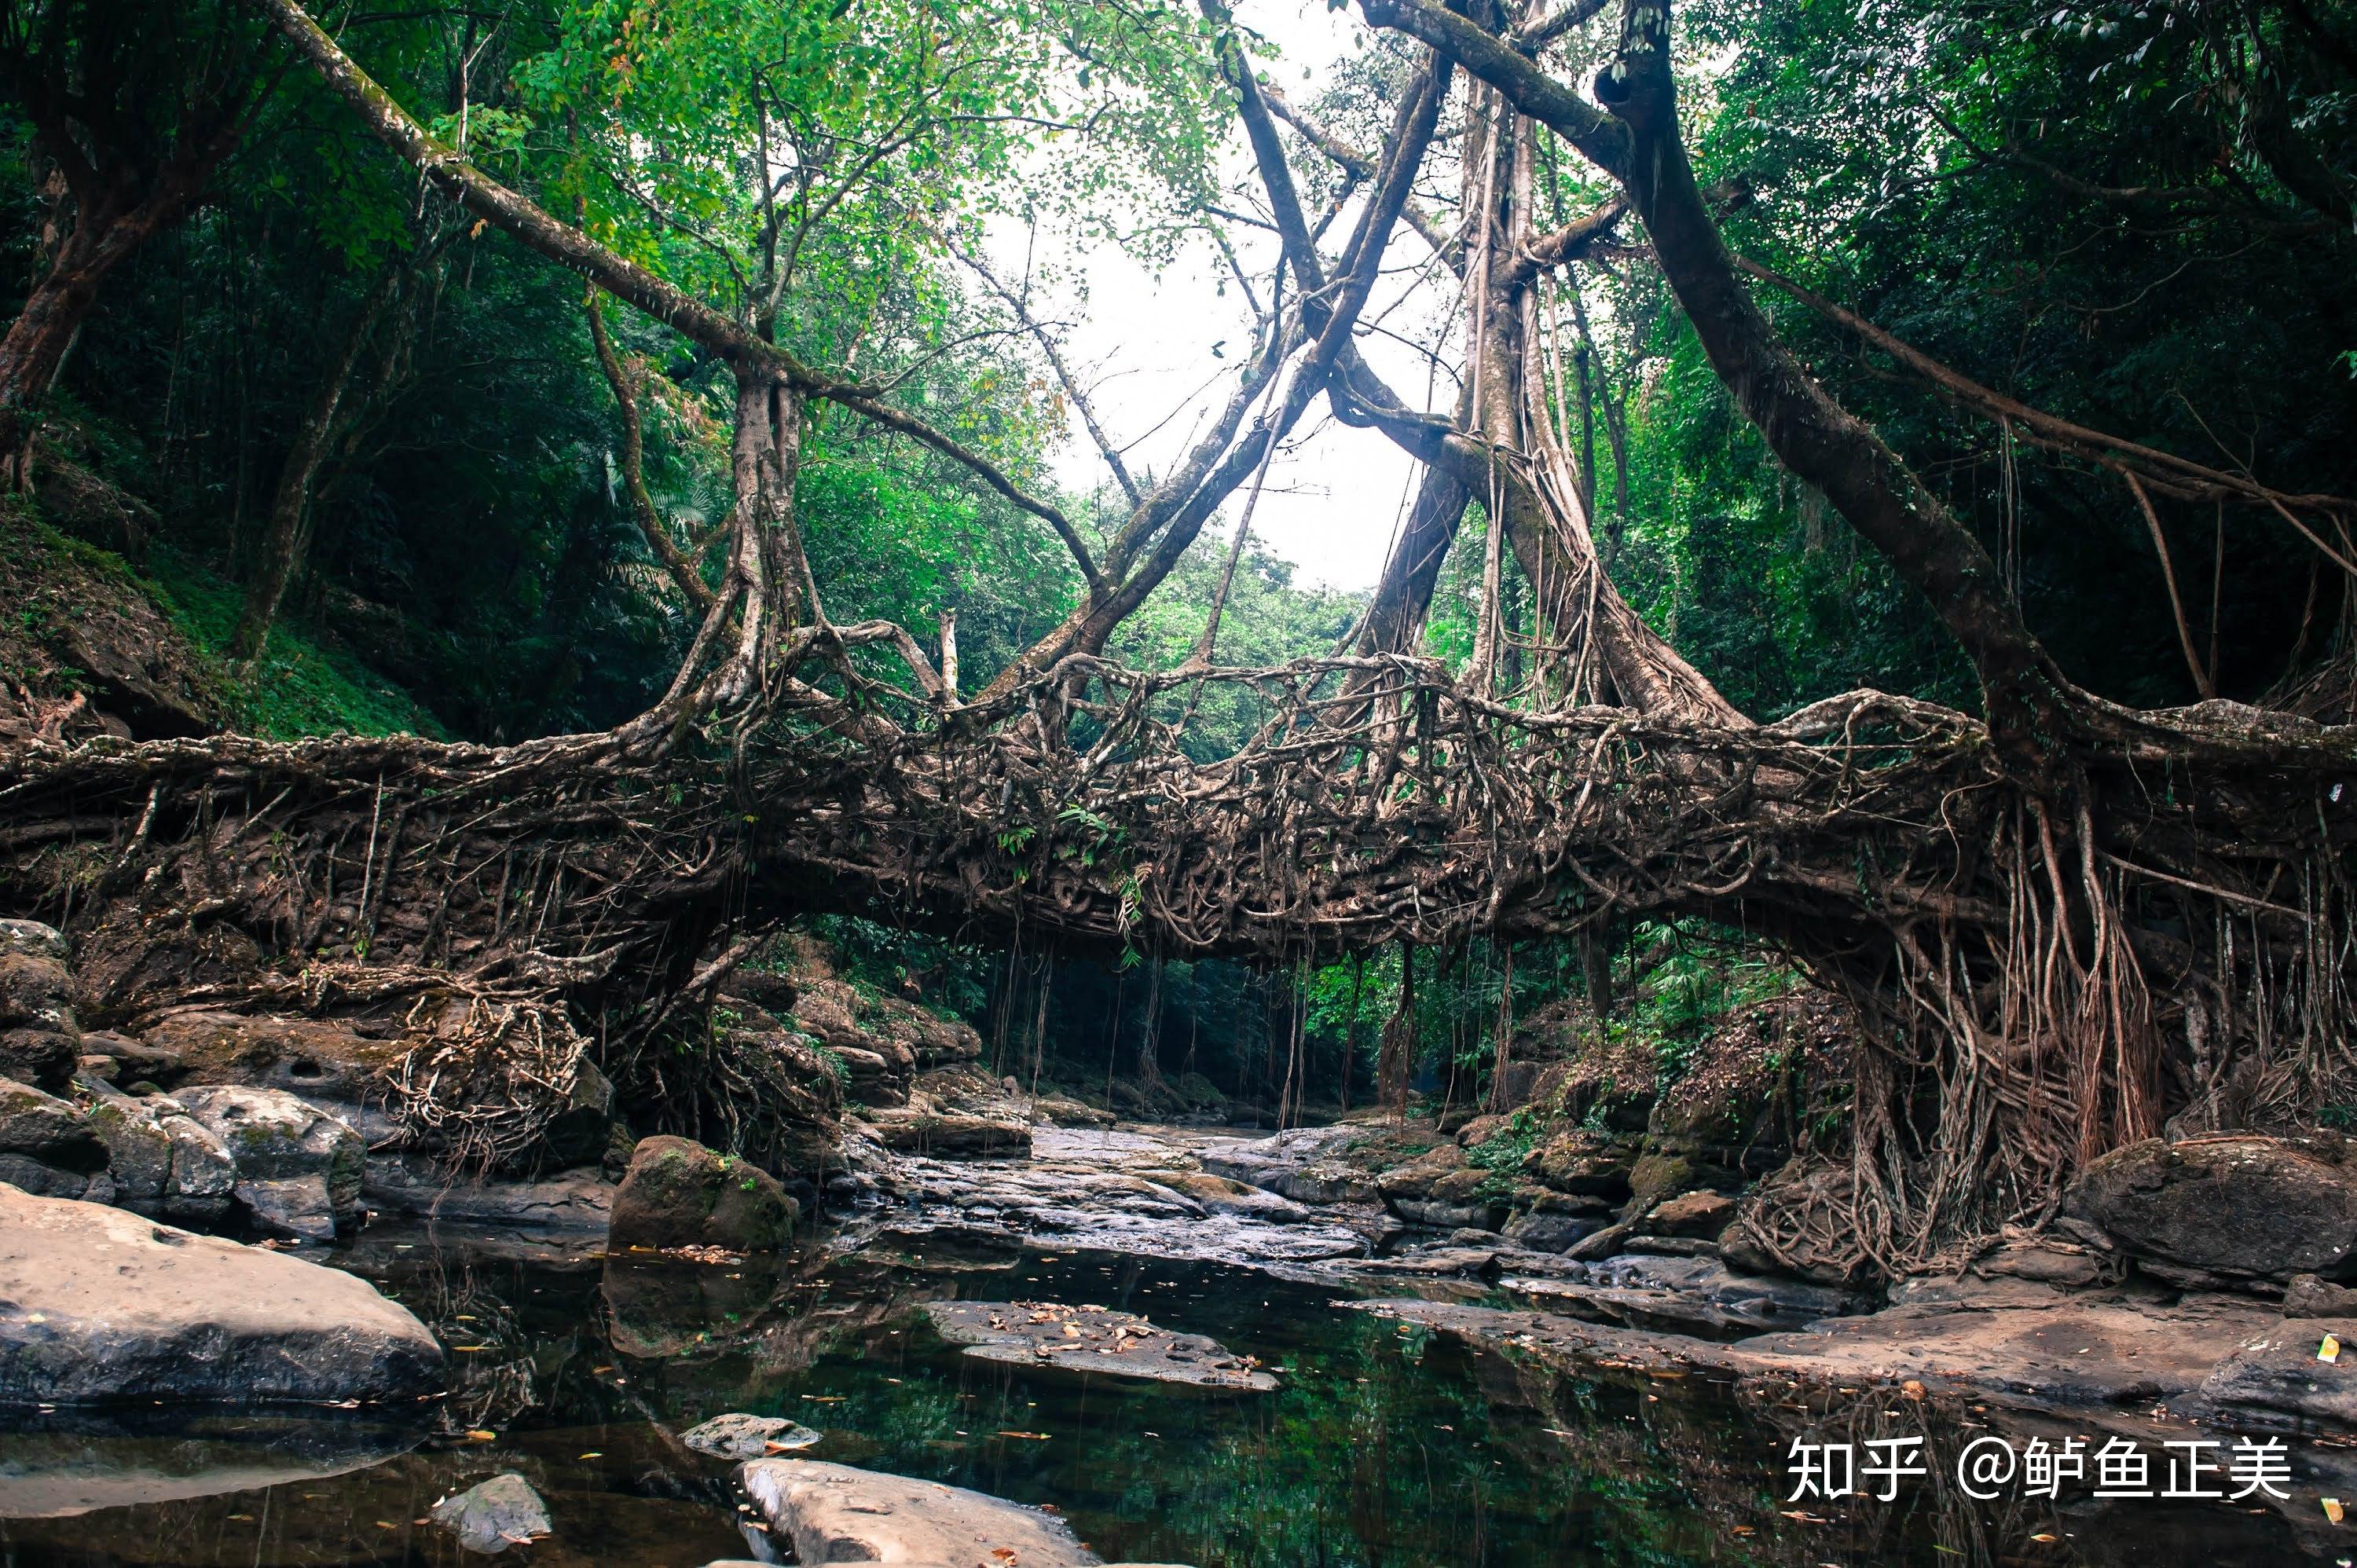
677, 1193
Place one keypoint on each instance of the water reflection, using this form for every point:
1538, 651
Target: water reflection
1384, 1446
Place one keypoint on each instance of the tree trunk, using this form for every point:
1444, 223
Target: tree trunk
288, 539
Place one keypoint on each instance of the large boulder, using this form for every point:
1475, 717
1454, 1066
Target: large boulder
2240, 1205
161, 1160
298, 1169
677, 1193
105, 1305
316, 1058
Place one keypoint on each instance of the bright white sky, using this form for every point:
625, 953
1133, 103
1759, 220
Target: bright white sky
1144, 344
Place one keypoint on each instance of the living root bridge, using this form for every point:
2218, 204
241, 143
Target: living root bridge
2039, 983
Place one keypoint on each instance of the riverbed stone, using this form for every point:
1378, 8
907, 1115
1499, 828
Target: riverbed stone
1547, 1232
1092, 1340
2240, 1205
677, 1193
741, 1436
276, 1139
835, 1513
42, 1127
99, 1304
494, 1515
2273, 1380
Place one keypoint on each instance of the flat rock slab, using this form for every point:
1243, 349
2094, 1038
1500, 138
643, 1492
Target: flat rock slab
740, 1436
1092, 1339
2225, 1361
100, 1304
834, 1513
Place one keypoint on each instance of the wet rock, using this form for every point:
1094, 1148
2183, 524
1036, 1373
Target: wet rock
2273, 1381
44, 1128
1303, 1164
1541, 1231
295, 1208
677, 1193
315, 1058
494, 1515
1683, 1294
1698, 1214
1439, 1262
297, 1167
2239, 1206
1121, 1191
741, 1436
1219, 1195
834, 1513
102, 1305
1091, 1339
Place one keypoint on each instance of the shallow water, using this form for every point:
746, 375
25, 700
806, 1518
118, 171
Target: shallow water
1382, 1445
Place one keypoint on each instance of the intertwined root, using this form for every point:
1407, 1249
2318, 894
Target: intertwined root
2048, 968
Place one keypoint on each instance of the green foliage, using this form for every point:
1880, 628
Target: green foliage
298, 687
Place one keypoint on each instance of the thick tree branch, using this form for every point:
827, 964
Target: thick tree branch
634, 472
520, 216
1811, 433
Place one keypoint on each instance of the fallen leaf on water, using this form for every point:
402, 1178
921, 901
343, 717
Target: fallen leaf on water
2330, 1350
1800, 1514
2332, 1509
478, 1435
1034, 1436
594, 1454
2045, 1538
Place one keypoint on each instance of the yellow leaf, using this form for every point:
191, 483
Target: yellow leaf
2332, 1509
480, 1436
2330, 1350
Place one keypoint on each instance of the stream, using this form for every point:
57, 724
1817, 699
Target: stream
1383, 1444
